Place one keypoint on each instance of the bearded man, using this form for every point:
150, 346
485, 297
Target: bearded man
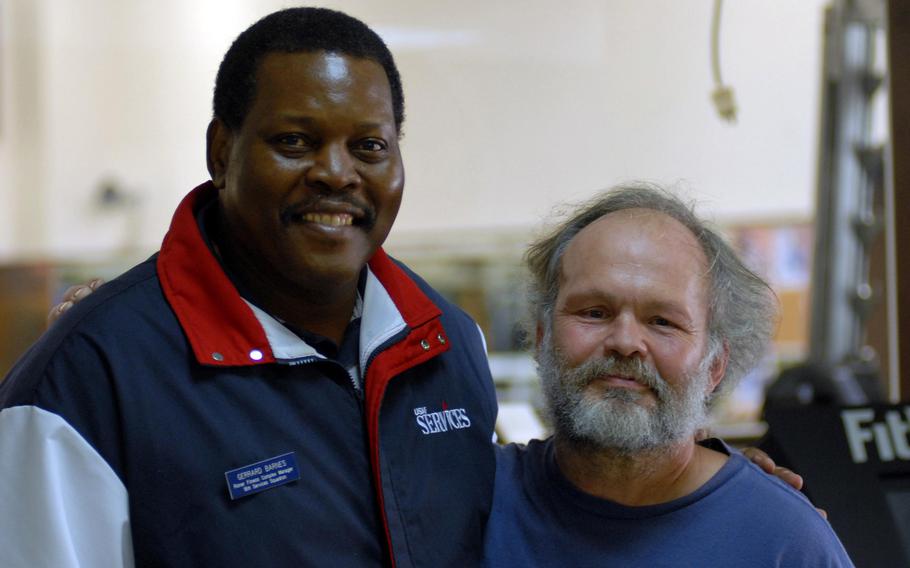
644, 315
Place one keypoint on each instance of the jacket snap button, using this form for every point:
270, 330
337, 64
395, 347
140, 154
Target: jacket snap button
256, 355
425, 344
441, 339
217, 356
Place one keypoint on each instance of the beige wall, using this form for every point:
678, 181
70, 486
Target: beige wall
512, 105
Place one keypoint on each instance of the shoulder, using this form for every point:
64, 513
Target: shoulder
516, 461
134, 291
508, 456
77, 343
763, 486
781, 515
513, 468
741, 481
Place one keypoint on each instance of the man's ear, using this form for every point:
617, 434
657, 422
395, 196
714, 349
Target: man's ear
719, 366
218, 142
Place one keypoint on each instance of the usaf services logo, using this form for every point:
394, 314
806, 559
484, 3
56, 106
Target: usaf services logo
442, 420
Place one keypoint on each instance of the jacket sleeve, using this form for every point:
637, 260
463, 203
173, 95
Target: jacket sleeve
61, 504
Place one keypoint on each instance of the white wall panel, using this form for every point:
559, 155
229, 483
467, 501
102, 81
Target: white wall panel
512, 105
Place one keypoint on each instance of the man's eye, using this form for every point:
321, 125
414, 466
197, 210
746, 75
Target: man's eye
371, 145
595, 313
295, 140
662, 322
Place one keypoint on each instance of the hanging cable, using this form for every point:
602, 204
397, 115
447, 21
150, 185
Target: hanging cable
722, 95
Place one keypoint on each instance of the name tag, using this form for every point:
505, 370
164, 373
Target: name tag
259, 476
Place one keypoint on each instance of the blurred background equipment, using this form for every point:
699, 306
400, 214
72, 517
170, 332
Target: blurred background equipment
828, 417
849, 286
856, 463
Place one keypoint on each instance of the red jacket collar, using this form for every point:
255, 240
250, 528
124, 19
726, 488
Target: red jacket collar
219, 325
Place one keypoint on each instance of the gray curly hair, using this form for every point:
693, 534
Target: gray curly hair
742, 313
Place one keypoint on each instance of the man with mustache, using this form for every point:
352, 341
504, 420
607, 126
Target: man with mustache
644, 316
270, 388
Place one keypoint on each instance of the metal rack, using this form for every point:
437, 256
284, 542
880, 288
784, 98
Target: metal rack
850, 199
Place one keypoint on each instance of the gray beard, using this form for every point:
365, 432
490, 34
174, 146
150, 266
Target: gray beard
613, 419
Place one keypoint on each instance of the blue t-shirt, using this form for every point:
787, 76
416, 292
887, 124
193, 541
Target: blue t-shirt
740, 518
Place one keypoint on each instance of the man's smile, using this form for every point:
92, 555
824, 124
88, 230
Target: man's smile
330, 219
329, 216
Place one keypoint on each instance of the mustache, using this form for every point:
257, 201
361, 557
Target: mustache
641, 372
364, 213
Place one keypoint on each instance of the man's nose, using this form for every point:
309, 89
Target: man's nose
333, 169
625, 337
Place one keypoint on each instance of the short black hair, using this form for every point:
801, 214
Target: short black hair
296, 30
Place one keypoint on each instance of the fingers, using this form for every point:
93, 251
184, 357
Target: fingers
823, 513
80, 291
792, 479
71, 297
71, 291
95, 283
764, 461
761, 459
57, 311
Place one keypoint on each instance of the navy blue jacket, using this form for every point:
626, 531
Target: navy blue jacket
118, 427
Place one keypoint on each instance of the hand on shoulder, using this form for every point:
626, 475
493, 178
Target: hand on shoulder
72, 296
